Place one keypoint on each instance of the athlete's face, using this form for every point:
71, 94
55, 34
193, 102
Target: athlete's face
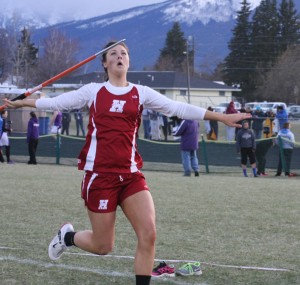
117, 60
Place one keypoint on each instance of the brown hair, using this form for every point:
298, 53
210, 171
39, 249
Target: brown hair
105, 54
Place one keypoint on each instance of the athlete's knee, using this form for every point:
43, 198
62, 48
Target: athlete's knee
148, 236
104, 249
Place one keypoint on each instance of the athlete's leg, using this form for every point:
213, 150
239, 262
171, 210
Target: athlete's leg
139, 209
99, 240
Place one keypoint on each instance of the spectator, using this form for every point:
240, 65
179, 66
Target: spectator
286, 149
214, 127
56, 122
66, 119
262, 148
146, 123
242, 110
207, 129
246, 146
1, 124
4, 141
280, 118
155, 123
188, 130
32, 137
173, 123
165, 126
248, 110
269, 128
230, 131
79, 122
258, 121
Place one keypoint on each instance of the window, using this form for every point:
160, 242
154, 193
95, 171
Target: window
221, 93
182, 92
162, 92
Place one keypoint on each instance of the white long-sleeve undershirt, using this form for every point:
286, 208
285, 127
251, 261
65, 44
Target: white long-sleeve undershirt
149, 98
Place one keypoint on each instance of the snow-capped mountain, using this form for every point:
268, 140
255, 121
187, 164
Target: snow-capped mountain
145, 30
209, 22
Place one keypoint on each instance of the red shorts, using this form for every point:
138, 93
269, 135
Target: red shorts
102, 193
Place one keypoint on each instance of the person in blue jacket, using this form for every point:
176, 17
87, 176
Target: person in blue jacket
32, 137
287, 144
188, 130
281, 117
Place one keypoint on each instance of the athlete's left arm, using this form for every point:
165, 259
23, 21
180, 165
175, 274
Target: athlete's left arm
152, 99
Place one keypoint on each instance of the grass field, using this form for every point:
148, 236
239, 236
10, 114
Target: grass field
243, 231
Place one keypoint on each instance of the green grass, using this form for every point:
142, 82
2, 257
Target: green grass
216, 219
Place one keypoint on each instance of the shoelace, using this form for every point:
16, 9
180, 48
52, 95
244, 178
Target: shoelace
189, 266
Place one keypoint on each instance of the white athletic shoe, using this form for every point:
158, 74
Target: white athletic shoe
57, 246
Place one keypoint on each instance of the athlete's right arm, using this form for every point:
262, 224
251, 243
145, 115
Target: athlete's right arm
20, 103
70, 100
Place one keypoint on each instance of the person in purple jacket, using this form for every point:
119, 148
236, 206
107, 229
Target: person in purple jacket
56, 122
32, 137
188, 130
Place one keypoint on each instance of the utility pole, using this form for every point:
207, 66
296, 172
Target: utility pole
188, 70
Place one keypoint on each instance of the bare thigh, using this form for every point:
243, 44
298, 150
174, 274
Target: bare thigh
139, 210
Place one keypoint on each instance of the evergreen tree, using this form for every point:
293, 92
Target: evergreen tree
173, 55
289, 25
264, 37
238, 62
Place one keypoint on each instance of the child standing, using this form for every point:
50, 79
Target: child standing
246, 146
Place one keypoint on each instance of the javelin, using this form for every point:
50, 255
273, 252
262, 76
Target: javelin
60, 75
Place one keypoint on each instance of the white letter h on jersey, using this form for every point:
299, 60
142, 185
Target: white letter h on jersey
117, 106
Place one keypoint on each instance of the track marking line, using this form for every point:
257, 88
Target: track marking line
172, 260
10, 248
185, 261
84, 269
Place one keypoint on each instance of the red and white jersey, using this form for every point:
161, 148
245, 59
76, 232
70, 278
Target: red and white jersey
114, 120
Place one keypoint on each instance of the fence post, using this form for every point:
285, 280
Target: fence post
204, 153
281, 154
57, 146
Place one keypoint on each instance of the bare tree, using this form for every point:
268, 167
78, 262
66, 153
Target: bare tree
13, 27
283, 81
4, 64
59, 54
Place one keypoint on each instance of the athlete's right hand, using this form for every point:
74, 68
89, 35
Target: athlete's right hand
19, 103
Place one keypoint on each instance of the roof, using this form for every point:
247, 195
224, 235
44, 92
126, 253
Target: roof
153, 79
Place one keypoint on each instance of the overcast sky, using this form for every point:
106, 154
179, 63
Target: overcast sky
70, 8
64, 10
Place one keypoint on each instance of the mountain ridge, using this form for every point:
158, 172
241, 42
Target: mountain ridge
145, 29
209, 22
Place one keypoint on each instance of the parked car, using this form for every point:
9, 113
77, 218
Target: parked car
267, 106
221, 108
294, 111
252, 105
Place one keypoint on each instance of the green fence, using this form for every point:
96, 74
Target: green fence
57, 148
